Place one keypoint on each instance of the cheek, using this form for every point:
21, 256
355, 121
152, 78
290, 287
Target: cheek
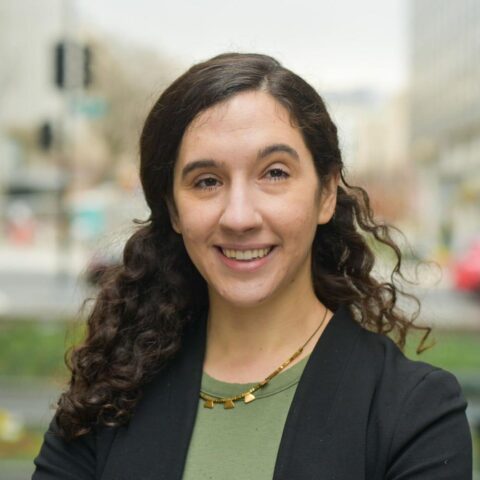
299, 226
301, 233
299, 217
194, 221
196, 228
195, 237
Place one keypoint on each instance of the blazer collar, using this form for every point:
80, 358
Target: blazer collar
303, 452
156, 440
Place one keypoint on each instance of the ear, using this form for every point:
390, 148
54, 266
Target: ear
328, 198
172, 212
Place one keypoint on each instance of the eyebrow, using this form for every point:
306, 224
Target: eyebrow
277, 147
262, 153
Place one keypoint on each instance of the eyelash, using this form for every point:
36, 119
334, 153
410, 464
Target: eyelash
210, 187
283, 176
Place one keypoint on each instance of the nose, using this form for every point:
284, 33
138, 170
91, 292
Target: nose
240, 211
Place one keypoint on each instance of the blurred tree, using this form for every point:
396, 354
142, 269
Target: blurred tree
129, 79
392, 195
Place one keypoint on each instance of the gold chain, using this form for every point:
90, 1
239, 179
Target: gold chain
228, 402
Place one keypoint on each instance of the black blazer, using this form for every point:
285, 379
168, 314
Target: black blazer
361, 411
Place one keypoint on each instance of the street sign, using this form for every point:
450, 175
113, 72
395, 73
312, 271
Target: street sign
89, 106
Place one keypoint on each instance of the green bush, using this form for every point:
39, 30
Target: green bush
453, 350
32, 349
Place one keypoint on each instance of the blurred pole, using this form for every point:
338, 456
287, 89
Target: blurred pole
64, 139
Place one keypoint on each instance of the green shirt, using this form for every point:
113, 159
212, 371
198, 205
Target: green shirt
241, 443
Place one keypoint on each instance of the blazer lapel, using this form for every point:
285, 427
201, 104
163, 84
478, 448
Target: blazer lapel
310, 447
155, 442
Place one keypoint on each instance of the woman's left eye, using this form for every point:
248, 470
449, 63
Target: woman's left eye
208, 183
277, 174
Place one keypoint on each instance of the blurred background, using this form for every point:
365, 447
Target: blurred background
400, 78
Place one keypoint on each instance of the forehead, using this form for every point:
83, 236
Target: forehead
247, 119
242, 107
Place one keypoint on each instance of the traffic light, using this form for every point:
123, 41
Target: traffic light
73, 65
45, 136
60, 65
87, 66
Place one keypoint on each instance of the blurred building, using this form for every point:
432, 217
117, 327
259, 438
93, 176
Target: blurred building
28, 100
445, 117
349, 110
28, 32
61, 141
383, 146
372, 129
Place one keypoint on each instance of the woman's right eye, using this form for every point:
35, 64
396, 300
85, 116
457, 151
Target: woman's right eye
208, 183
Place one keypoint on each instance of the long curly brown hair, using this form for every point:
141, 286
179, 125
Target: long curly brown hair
143, 305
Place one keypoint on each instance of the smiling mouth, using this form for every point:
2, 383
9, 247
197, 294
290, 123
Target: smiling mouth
245, 255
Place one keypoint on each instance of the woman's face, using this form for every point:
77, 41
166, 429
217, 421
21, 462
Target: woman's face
247, 197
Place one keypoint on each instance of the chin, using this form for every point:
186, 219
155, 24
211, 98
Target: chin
245, 300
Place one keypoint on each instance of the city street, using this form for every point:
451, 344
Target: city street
39, 283
48, 296
32, 287
100, 139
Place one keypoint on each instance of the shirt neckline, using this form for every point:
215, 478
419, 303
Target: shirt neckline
282, 381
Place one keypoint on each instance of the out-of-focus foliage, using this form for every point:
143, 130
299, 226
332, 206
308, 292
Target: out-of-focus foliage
452, 350
45, 343
128, 79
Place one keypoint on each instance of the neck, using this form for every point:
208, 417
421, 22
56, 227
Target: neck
247, 344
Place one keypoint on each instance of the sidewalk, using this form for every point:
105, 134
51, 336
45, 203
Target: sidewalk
40, 283
42, 259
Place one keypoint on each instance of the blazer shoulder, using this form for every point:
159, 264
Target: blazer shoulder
393, 367
376, 356
416, 411
394, 377
385, 373
81, 458
431, 437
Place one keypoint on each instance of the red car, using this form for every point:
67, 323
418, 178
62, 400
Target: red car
466, 269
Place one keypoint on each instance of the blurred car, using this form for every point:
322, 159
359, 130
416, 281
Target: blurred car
466, 268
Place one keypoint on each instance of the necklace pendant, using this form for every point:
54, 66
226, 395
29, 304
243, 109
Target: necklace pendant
229, 404
249, 397
208, 404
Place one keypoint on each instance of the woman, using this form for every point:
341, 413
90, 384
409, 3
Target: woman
245, 335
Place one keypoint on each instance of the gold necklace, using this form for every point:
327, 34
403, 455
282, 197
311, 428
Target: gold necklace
248, 396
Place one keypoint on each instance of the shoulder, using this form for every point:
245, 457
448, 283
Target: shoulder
371, 355
413, 387
393, 368
416, 410
374, 367
81, 458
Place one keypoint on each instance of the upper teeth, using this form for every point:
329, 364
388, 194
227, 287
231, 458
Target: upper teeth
246, 254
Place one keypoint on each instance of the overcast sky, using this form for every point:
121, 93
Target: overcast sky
333, 44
